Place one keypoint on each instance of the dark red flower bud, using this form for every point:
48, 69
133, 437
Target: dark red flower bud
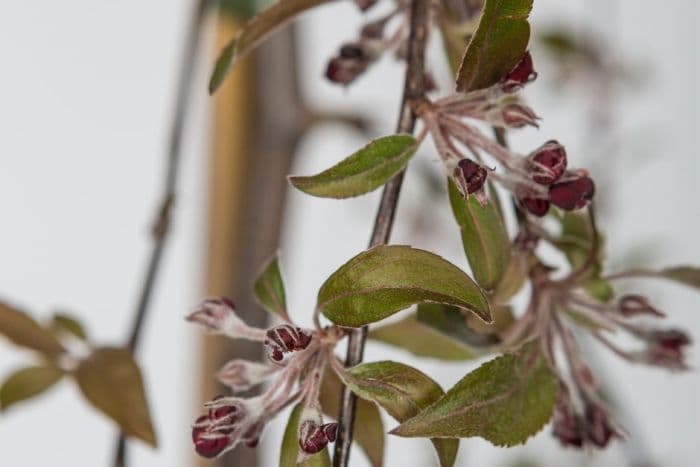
633, 305
666, 348
599, 429
207, 444
548, 163
312, 438
344, 71
523, 73
286, 338
365, 5
330, 430
572, 194
536, 206
469, 176
568, 429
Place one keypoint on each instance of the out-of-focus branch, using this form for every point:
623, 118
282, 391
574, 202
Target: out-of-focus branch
161, 225
413, 90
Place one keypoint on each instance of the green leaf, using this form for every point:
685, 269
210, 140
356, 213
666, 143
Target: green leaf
369, 428
497, 46
403, 392
21, 329
290, 445
27, 383
364, 171
505, 401
111, 380
65, 323
421, 340
269, 289
484, 237
514, 277
385, 279
452, 323
254, 32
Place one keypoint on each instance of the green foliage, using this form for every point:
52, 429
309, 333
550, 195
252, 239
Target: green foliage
27, 383
111, 380
254, 32
497, 45
686, 275
452, 323
383, 280
290, 445
63, 323
21, 329
364, 171
484, 237
421, 340
505, 401
369, 428
269, 288
403, 392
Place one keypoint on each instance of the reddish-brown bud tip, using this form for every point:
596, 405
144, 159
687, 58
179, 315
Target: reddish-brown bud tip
523, 73
536, 206
548, 163
312, 438
469, 176
573, 193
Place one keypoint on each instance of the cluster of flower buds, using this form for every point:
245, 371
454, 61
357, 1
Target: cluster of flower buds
568, 190
356, 56
314, 435
537, 180
594, 427
233, 420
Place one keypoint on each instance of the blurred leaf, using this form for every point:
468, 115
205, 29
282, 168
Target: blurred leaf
686, 275
111, 380
269, 289
240, 9
566, 46
21, 329
497, 45
421, 340
402, 391
369, 428
254, 32
364, 171
505, 401
451, 322
290, 445
27, 383
514, 277
484, 237
383, 280
65, 323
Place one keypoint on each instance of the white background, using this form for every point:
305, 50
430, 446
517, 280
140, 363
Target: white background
85, 94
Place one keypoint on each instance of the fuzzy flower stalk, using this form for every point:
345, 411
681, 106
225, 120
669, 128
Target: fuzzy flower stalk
297, 358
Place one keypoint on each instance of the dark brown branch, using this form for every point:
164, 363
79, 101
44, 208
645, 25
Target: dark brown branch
161, 225
413, 90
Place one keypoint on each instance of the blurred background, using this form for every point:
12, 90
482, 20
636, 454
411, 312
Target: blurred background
87, 94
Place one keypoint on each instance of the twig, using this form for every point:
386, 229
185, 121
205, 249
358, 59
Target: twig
413, 90
161, 226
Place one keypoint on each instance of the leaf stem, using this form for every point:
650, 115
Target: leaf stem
161, 226
414, 87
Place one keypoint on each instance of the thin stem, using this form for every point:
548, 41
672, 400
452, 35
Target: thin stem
162, 222
413, 90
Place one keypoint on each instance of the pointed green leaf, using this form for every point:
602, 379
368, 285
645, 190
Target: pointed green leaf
111, 380
269, 289
369, 428
421, 340
484, 237
254, 32
68, 324
452, 323
290, 445
383, 280
21, 329
497, 45
505, 401
403, 392
364, 171
686, 275
27, 383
